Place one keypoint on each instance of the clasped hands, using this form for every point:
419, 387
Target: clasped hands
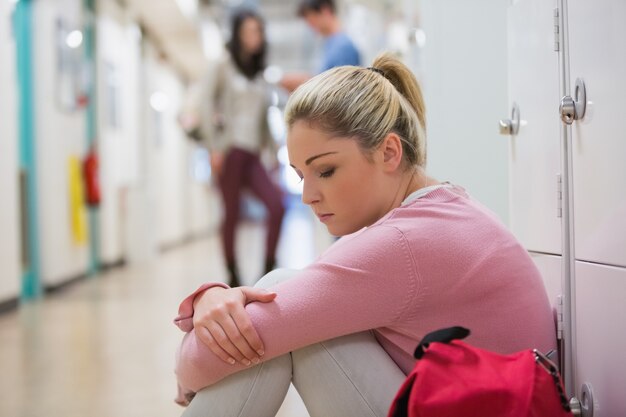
223, 325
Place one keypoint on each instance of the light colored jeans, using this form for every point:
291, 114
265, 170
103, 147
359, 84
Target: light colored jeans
351, 376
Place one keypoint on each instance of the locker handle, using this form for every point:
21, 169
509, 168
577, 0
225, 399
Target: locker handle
510, 126
574, 108
586, 405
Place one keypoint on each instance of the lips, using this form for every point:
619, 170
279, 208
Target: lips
324, 217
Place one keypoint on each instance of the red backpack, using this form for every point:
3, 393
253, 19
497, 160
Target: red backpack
454, 379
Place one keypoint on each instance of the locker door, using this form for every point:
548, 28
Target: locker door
534, 150
600, 337
597, 41
550, 268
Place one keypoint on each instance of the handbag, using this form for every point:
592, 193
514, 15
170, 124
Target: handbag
454, 379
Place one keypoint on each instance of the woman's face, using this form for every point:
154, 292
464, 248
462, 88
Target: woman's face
251, 35
346, 190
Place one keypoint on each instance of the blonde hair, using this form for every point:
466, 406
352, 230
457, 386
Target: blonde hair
365, 104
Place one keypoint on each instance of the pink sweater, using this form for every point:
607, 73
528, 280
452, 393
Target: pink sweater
437, 261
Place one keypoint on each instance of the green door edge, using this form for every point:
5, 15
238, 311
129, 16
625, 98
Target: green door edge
22, 24
89, 11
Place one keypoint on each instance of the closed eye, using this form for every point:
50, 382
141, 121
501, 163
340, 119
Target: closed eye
327, 173
298, 173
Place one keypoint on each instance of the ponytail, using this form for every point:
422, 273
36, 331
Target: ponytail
366, 104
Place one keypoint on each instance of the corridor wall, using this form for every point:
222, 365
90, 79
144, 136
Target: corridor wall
9, 174
185, 207
118, 62
60, 135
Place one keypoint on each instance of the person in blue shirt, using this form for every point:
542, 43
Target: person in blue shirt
338, 50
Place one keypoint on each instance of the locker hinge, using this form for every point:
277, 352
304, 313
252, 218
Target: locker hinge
556, 30
559, 317
559, 196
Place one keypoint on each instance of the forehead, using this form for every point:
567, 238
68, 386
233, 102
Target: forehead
250, 23
312, 16
304, 135
304, 140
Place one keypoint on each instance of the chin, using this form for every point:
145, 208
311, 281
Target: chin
339, 231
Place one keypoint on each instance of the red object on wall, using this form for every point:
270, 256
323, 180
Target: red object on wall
92, 181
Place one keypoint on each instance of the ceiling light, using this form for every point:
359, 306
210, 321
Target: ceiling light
74, 39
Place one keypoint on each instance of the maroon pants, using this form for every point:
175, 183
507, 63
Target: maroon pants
243, 169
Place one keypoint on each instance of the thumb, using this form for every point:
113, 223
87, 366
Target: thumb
257, 294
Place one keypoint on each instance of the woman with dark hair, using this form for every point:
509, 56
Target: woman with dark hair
247, 45
237, 132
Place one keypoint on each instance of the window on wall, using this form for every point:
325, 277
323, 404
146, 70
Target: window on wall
72, 70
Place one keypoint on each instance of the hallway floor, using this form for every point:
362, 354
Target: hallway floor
104, 347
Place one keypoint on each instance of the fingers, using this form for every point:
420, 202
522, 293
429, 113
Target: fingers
237, 344
224, 326
220, 343
225, 339
228, 332
257, 294
251, 337
205, 337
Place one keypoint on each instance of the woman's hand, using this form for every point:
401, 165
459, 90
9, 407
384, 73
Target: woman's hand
222, 323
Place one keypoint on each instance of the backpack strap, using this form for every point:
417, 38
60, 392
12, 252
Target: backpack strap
443, 336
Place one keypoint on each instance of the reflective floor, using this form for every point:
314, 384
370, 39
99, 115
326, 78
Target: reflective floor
104, 347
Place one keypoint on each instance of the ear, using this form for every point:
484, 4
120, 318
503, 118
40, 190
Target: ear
391, 150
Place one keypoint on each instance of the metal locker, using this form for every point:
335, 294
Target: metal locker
533, 129
597, 57
589, 40
593, 64
600, 339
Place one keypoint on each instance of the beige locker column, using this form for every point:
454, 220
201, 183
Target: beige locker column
534, 150
596, 43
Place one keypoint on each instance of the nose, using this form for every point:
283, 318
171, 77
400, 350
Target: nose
310, 194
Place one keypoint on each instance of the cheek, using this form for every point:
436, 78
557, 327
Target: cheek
351, 190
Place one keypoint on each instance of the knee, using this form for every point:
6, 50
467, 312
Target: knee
276, 276
259, 390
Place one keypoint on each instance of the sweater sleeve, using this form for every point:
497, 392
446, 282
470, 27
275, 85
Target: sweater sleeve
365, 283
184, 320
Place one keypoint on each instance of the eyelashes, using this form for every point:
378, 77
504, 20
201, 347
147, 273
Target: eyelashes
328, 173
324, 174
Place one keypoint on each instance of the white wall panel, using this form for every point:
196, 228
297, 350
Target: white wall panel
535, 150
465, 84
119, 118
9, 215
600, 336
174, 163
185, 208
167, 153
59, 134
597, 41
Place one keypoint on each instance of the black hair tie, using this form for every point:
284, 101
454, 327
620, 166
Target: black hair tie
381, 72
